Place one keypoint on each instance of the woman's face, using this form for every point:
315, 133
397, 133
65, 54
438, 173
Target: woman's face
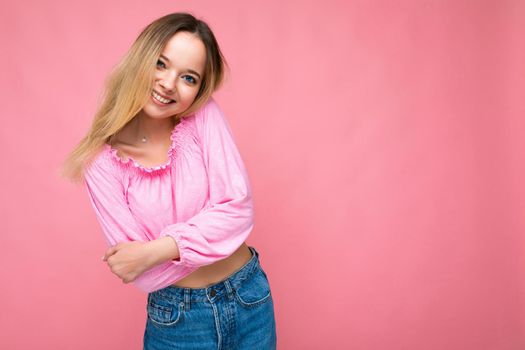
178, 76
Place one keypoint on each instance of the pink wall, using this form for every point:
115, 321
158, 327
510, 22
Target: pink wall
385, 144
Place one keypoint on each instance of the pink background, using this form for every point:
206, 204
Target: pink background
385, 145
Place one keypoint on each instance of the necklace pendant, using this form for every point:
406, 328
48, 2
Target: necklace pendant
144, 139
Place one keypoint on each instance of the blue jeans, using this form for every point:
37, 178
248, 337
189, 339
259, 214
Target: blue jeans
235, 313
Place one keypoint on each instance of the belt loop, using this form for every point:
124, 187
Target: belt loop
255, 252
229, 289
187, 299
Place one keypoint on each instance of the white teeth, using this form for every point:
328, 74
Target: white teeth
160, 98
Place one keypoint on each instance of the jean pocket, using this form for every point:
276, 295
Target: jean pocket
255, 290
163, 314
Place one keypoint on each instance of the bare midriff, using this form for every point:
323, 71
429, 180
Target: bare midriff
218, 271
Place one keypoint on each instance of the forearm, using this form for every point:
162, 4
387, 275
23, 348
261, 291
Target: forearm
161, 250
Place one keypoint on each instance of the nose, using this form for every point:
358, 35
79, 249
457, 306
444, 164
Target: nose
167, 83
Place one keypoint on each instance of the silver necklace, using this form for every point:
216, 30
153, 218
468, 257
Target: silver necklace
145, 139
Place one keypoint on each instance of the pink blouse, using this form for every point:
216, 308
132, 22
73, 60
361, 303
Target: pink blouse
201, 197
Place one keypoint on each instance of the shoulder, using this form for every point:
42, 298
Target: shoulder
210, 111
210, 105
102, 165
210, 117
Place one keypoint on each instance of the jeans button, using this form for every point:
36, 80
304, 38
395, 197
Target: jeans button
213, 292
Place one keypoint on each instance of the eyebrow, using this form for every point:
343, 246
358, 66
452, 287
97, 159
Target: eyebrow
188, 70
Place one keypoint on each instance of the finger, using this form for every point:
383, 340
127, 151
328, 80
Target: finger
109, 253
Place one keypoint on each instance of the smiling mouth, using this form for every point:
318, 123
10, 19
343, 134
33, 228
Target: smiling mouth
161, 99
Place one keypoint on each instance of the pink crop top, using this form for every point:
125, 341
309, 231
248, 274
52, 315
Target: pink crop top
201, 197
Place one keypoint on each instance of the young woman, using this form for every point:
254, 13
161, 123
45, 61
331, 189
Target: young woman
172, 194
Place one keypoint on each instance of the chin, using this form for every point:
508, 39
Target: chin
155, 114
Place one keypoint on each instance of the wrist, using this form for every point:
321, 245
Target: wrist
162, 249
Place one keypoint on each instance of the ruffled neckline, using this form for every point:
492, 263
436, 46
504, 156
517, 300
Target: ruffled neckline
158, 168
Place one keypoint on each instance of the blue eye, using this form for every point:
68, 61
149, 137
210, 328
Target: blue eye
193, 81
159, 62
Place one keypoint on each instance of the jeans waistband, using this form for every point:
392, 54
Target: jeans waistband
214, 291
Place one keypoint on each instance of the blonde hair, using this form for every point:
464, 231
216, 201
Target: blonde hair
127, 88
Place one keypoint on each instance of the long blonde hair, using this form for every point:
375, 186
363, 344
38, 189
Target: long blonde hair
128, 86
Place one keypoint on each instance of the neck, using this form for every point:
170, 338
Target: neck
155, 131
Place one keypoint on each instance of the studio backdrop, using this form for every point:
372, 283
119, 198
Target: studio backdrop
385, 145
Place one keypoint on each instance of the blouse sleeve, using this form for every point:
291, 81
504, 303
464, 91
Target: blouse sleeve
104, 183
220, 228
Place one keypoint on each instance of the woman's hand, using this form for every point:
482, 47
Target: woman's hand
128, 260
